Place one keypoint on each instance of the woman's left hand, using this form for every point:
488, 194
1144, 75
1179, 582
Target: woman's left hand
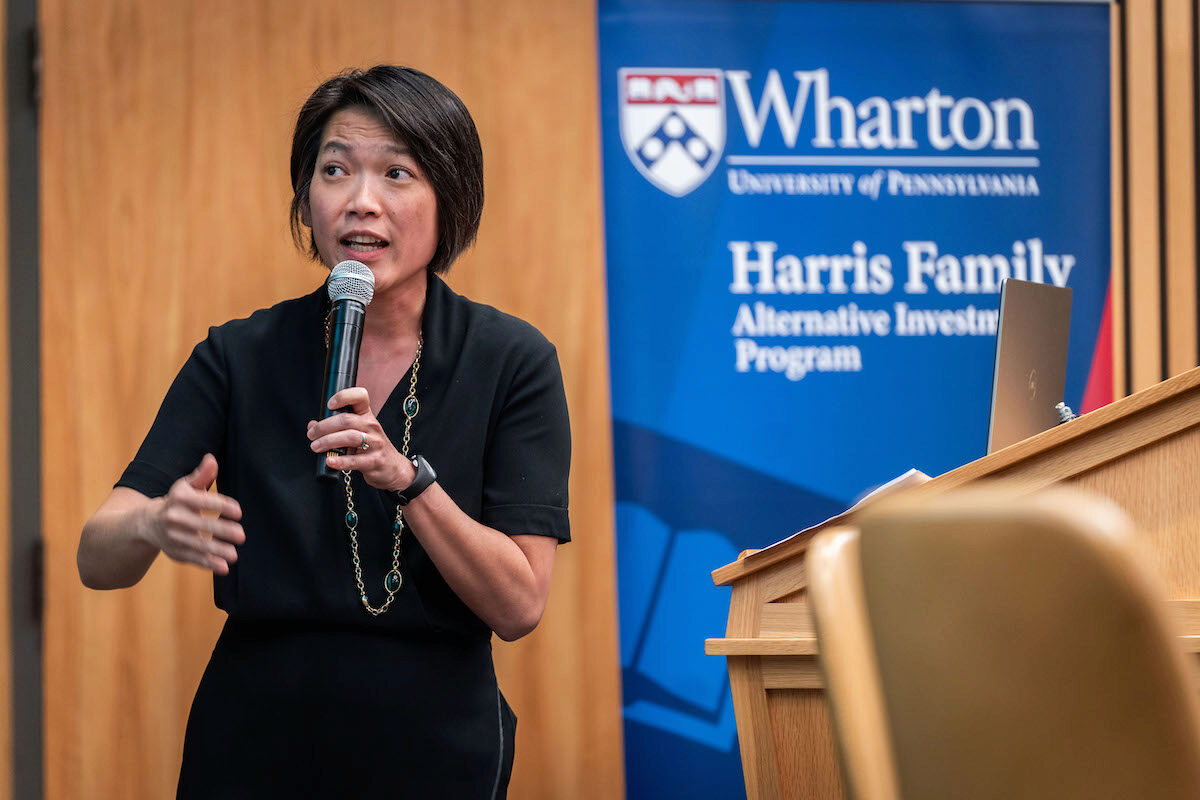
369, 450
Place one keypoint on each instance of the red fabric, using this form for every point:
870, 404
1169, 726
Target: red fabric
1099, 391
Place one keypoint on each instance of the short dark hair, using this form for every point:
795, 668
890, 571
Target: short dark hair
424, 115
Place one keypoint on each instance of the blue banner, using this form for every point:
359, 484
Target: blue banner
809, 210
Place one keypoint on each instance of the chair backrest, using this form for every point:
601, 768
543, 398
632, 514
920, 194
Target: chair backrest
988, 644
851, 671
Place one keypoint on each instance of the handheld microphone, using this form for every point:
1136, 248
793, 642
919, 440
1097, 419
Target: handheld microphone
351, 286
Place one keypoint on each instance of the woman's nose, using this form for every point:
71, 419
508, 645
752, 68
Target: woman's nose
365, 198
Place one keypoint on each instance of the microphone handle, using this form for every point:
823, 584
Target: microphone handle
341, 363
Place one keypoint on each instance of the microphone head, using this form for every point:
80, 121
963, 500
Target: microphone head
351, 280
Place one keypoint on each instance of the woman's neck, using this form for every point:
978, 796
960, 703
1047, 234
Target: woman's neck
394, 316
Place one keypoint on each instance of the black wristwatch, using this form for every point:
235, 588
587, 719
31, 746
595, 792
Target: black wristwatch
424, 478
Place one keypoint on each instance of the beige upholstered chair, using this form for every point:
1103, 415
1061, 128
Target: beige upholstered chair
993, 645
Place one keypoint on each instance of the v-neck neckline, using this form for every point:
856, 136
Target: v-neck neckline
429, 311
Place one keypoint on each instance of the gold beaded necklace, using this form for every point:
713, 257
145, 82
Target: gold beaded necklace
393, 580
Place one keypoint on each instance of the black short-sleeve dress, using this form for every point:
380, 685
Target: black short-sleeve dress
307, 695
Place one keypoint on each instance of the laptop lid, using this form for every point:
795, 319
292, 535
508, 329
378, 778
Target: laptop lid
1030, 371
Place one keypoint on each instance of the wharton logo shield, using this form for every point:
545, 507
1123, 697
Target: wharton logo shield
673, 124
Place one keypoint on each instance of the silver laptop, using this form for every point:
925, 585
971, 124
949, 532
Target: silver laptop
1030, 373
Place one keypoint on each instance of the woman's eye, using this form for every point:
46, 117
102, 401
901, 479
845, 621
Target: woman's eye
396, 173
331, 169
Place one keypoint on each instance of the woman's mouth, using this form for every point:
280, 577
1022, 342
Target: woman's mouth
362, 243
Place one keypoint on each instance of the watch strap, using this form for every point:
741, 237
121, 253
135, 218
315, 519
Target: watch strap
423, 480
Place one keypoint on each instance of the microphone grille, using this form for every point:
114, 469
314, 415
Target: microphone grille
351, 280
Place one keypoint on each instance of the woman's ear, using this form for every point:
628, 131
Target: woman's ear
305, 213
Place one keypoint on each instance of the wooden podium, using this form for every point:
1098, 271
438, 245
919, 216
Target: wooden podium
1142, 451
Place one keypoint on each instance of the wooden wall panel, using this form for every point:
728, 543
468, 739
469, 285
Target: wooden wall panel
1179, 183
164, 171
1155, 206
1117, 276
1142, 193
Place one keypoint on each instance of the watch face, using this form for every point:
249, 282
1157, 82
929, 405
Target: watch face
420, 482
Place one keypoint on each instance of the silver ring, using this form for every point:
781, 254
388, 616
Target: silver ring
364, 445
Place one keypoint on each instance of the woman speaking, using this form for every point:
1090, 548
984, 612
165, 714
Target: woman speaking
356, 657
